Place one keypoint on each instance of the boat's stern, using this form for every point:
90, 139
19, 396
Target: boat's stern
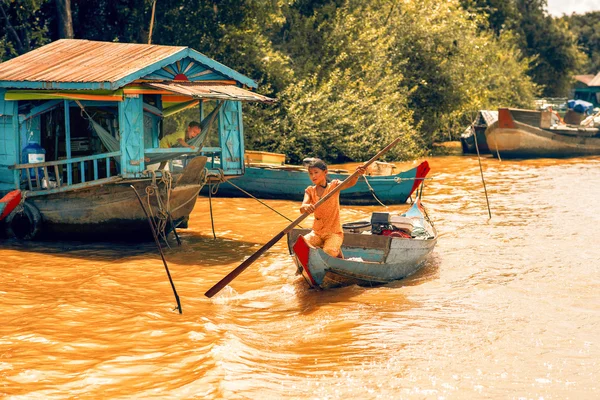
9, 202
301, 253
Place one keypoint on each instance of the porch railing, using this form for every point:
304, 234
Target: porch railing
37, 176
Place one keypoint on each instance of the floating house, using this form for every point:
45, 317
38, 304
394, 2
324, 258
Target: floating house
80, 124
587, 88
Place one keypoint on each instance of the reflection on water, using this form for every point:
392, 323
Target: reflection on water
505, 308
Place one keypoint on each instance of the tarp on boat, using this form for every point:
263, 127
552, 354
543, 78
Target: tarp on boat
581, 106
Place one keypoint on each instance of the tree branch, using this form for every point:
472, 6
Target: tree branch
11, 30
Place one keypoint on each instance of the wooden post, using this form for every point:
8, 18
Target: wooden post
68, 141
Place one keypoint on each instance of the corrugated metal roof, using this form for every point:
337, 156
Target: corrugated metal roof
595, 81
72, 60
199, 90
84, 65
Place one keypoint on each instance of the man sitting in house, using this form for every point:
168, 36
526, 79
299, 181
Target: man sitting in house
179, 139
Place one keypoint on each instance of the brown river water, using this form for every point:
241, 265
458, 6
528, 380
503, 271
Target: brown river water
507, 307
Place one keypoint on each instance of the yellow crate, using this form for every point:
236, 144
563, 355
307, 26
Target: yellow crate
263, 157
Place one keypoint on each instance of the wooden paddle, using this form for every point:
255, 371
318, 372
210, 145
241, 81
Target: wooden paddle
233, 274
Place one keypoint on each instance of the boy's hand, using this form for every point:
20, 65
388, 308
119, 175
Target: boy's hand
307, 208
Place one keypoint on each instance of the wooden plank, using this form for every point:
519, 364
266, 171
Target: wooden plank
68, 141
58, 177
64, 162
29, 179
95, 169
46, 176
74, 187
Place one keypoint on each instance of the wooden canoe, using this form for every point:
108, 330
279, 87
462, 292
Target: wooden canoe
369, 259
289, 183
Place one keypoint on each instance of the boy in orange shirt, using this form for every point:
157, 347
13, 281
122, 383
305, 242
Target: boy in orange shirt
327, 228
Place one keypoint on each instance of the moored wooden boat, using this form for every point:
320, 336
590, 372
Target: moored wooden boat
484, 119
110, 211
369, 259
75, 142
524, 134
289, 182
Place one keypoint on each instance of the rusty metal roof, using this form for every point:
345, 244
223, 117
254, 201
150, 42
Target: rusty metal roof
69, 63
199, 90
586, 79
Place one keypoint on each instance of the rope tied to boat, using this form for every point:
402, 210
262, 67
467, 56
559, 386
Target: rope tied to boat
211, 191
162, 216
220, 178
373, 192
260, 201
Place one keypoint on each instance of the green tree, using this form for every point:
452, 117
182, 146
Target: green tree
586, 28
452, 68
551, 46
346, 101
23, 27
499, 15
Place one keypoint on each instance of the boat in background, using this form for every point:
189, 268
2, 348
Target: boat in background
269, 179
388, 248
484, 119
528, 133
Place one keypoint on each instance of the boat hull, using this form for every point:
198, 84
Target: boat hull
112, 211
515, 139
287, 184
384, 259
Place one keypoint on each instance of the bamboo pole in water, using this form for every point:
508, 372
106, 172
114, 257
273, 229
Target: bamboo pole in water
481, 171
159, 248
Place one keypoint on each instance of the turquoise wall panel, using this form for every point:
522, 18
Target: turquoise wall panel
231, 138
131, 130
9, 146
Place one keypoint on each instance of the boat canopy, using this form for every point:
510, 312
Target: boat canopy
200, 90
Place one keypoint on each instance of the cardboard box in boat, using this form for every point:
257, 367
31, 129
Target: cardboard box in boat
263, 157
379, 168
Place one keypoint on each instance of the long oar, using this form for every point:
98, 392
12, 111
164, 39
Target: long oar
233, 274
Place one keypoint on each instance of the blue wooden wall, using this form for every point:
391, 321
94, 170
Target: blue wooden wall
231, 138
131, 130
9, 142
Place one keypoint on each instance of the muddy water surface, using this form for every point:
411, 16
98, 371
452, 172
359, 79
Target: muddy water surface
507, 307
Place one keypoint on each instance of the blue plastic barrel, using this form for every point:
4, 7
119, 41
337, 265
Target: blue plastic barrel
33, 153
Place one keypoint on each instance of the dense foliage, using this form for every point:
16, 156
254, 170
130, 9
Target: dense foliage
586, 28
547, 42
350, 75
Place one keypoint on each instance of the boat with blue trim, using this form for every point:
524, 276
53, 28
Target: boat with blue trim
81, 123
288, 182
385, 249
